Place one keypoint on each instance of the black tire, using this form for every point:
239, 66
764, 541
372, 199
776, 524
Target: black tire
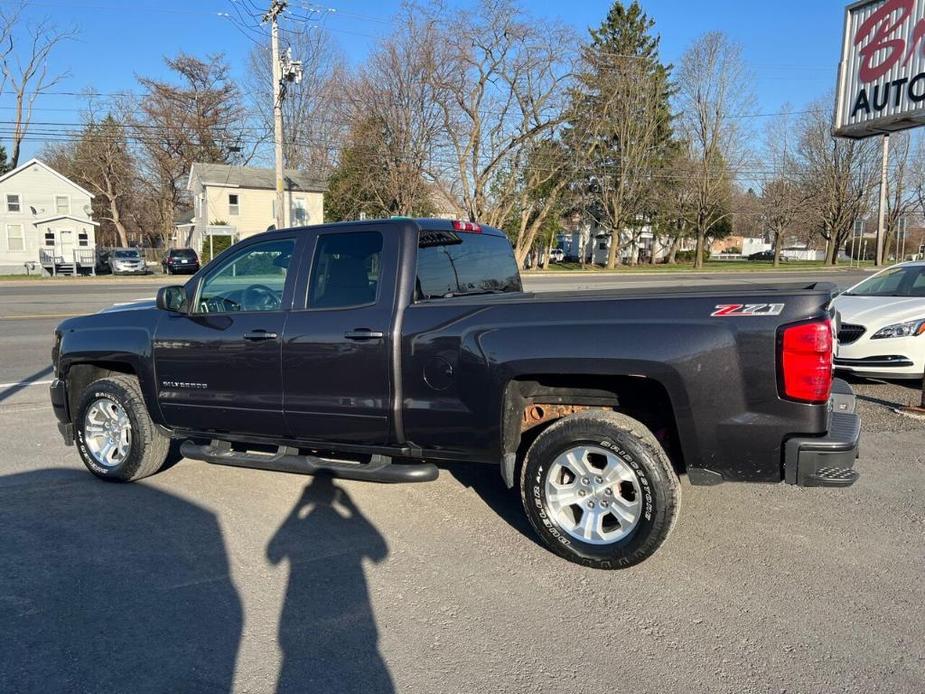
633, 444
149, 446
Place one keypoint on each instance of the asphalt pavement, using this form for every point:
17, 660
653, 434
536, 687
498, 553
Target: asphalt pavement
207, 579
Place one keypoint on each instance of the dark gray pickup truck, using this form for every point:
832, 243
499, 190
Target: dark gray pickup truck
375, 350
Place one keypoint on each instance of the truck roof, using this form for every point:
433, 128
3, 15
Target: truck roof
429, 223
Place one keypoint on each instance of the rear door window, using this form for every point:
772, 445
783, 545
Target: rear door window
345, 270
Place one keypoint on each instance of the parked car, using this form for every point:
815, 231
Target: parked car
882, 324
127, 261
180, 260
556, 255
767, 256
365, 349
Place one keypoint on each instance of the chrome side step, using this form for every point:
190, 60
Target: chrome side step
380, 468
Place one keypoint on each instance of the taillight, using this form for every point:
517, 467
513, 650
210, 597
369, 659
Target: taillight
467, 226
806, 361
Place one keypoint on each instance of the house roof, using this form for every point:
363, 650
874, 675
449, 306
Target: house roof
250, 177
39, 162
54, 218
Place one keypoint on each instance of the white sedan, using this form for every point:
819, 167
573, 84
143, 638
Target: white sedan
882, 324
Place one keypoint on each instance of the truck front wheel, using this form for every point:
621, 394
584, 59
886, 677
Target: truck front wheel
115, 436
599, 490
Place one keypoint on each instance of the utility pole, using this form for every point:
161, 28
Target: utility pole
276, 8
881, 222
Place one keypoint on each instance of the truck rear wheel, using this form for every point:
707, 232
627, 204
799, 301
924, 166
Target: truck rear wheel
115, 436
599, 490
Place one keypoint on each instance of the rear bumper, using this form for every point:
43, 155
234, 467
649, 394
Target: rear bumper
827, 461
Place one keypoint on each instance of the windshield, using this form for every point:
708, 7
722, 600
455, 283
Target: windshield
906, 280
455, 264
125, 254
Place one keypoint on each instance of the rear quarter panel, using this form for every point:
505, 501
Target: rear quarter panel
720, 372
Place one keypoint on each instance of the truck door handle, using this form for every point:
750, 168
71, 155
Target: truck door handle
259, 336
363, 334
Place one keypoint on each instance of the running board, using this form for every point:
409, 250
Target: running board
380, 468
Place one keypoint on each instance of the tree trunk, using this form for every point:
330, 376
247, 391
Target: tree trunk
698, 254
831, 251
117, 222
673, 250
778, 242
614, 247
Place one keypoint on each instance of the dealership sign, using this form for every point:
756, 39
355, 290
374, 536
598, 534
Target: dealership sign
881, 78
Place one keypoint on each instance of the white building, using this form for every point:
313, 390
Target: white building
45, 220
240, 201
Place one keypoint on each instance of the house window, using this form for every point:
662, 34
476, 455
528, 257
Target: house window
12, 202
83, 239
14, 237
62, 204
233, 204
49, 238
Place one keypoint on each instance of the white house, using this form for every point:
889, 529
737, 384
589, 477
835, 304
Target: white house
240, 201
44, 217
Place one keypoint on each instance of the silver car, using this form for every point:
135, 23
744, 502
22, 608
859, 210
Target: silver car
127, 261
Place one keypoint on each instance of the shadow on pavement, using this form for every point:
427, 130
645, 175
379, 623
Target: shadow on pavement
485, 480
107, 587
327, 630
10, 391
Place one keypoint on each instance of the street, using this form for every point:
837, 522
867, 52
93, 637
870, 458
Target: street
254, 580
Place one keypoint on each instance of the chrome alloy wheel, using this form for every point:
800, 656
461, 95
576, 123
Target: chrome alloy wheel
107, 432
593, 495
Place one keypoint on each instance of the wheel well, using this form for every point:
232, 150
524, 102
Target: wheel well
532, 403
79, 376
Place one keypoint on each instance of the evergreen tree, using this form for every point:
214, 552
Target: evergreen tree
620, 123
4, 162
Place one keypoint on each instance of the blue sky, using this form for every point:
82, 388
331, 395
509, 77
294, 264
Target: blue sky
792, 47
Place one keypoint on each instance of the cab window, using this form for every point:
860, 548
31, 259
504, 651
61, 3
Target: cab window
252, 280
345, 271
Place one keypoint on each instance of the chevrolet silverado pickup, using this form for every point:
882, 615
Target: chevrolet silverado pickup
378, 350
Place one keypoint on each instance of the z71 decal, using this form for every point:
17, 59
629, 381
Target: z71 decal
748, 310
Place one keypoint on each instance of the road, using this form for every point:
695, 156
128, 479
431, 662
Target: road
214, 579
29, 310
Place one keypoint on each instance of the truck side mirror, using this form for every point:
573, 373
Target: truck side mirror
172, 298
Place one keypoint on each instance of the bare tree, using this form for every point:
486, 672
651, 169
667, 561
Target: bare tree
313, 109
902, 200
25, 63
839, 175
501, 90
783, 196
101, 160
201, 118
713, 93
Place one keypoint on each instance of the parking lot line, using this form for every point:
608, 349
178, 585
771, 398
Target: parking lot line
24, 384
38, 316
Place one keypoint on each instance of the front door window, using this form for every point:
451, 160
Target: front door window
252, 280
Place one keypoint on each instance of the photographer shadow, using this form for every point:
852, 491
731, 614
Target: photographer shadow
107, 587
327, 630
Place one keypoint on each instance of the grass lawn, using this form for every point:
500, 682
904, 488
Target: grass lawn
20, 277
710, 266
